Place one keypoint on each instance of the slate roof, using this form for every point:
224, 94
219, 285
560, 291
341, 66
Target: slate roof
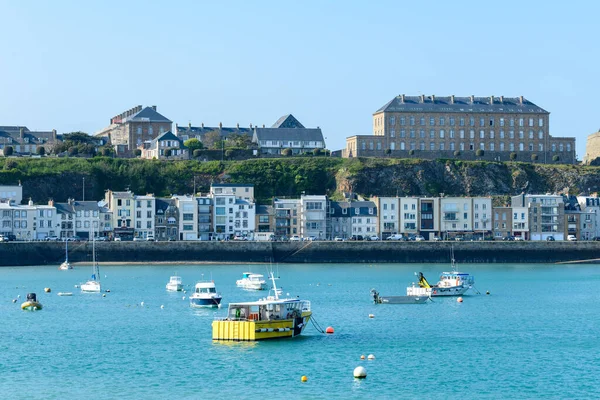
225, 132
232, 185
12, 134
168, 135
293, 134
287, 121
264, 210
148, 114
461, 105
86, 206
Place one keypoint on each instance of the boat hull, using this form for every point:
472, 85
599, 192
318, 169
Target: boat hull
175, 287
402, 299
31, 306
449, 291
249, 330
251, 285
205, 302
91, 287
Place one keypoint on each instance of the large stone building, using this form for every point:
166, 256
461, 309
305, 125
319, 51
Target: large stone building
433, 127
592, 147
24, 141
130, 129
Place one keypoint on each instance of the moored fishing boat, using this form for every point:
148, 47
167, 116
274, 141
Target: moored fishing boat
205, 295
252, 281
267, 318
453, 283
175, 284
408, 299
31, 304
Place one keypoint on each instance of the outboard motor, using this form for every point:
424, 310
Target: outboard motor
31, 297
375, 294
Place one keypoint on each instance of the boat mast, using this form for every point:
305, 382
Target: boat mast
66, 250
274, 285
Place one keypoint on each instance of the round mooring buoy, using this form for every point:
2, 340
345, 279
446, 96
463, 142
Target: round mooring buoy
329, 330
362, 356
47, 290
304, 378
371, 357
360, 373
460, 299
488, 292
371, 316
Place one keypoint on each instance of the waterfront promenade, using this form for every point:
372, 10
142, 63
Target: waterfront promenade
53, 253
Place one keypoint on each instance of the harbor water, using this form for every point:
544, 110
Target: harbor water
534, 336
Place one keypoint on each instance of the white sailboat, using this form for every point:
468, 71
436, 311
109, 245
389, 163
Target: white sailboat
93, 285
66, 265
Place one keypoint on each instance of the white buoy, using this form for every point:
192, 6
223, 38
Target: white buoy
18, 296
371, 357
14, 300
183, 298
103, 294
360, 373
162, 306
371, 316
142, 304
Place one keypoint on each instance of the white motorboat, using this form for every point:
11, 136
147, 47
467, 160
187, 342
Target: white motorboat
175, 284
205, 295
252, 281
93, 285
408, 299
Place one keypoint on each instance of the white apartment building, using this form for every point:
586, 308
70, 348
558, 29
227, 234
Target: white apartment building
188, 216
122, 206
520, 222
240, 191
482, 216
591, 204
364, 218
456, 216
409, 216
287, 217
546, 214
145, 210
233, 216
11, 192
388, 209
313, 216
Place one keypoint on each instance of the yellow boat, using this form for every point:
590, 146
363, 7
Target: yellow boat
268, 318
31, 304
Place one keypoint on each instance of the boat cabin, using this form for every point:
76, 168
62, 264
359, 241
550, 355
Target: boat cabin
267, 311
455, 279
205, 287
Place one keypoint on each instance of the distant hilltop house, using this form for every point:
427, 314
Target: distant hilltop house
592, 148
165, 146
493, 128
23, 141
286, 133
130, 129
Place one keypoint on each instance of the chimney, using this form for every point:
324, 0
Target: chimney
433, 98
502, 99
250, 126
154, 108
237, 125
472, 99
54, 134
452, 99
220, 125
402, 97
138, 109
491, 99
263, 125
422, 98
190, 124
202, 125
521, 99
51, 203
30, 202
21, 134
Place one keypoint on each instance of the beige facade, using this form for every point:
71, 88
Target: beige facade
433, 127
592, 147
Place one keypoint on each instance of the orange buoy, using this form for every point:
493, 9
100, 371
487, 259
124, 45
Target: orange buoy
362, 357
329, 330
460, 299
304, 378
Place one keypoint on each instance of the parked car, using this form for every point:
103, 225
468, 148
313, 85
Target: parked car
508, 238
242, 238
372, 237
356, 237
596, 239
519, 238
51, 238
459, 239
73, 239
150, 239
137, 239
571, 238
550, 239
419, 238
339, 239
437, 239
10, 238
395, 236
3, 239
310, 239
295, 238
117, 239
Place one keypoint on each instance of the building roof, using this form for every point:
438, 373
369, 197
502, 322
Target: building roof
450, 104
232, 185
287, 121
264, 210
293, 134
86, 206
148, 114
200, 131
168, 135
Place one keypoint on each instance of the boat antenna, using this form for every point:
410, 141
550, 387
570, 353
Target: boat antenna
453, 260
274, 285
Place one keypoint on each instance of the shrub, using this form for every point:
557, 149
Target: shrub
534, 157
286, 152
411, 152
10, 164
137, 152
480, 153
317, 152
193, 144
197, 153
513, 156
41, 150
388, 151
8, 151
73, 151
457, 153
228, 153
556, 158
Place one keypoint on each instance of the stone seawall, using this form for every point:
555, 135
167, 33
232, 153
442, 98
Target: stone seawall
50, 253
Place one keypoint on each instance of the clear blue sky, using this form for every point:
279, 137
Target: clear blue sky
71, 65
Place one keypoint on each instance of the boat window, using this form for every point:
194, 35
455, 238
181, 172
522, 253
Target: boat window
277, 307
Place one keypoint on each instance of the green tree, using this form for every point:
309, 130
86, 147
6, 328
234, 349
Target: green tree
286, 152
388, 152
168, 152
534, 157
8, 151
137, 152
228, 153
193, 144
212, 140
480, 153
411, 152
317, 151
556, 158
10, 164
107, 152
457, 153
513, 156
40, 150
73, 151
197, 153
595, 162
238, 140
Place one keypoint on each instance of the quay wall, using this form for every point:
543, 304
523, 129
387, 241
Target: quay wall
53, 253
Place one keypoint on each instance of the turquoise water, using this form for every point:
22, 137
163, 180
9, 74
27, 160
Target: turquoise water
534, 336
